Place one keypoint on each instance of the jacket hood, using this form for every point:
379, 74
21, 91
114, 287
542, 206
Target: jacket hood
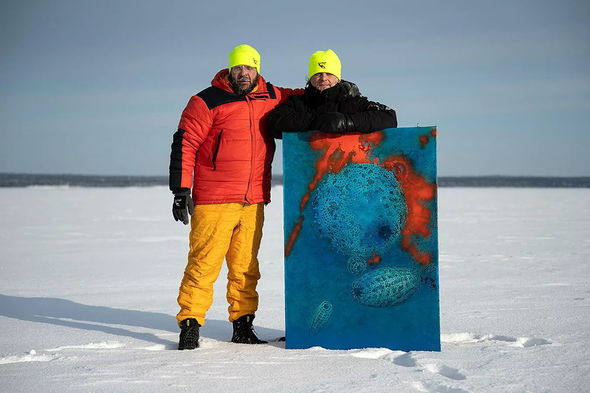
221, 81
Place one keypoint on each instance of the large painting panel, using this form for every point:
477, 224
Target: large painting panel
361, 249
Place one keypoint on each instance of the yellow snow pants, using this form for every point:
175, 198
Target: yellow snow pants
228, 230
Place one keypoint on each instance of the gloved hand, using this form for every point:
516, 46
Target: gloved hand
183, 205
333, 122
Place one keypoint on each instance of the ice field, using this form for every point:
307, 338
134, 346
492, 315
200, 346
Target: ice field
89, 279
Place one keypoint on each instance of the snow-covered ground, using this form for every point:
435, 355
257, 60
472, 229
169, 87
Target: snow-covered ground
89, 278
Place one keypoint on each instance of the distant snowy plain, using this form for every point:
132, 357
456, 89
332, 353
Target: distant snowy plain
89, 278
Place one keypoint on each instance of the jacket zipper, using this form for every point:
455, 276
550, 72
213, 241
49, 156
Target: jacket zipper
252, 149
214, 158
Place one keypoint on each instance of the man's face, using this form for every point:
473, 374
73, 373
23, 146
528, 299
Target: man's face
323, 80
243, 79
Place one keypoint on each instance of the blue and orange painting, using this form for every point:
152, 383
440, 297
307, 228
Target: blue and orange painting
361, 240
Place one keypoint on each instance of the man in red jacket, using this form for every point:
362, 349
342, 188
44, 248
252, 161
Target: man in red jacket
223, 152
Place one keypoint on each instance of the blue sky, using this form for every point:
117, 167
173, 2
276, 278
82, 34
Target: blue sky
97, 87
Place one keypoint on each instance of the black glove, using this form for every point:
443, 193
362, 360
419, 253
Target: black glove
183, 205
333, 122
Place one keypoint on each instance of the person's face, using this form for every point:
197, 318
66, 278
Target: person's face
323, 80
243, 78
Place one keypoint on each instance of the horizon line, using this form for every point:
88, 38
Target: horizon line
274, 175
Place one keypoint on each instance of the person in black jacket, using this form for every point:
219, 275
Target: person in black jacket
329, 104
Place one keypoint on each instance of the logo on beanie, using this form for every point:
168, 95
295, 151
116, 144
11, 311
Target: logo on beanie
322, 64
255, 61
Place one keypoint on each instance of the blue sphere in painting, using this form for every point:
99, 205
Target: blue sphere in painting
361, 210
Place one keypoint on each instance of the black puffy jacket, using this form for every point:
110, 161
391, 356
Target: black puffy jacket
339, 109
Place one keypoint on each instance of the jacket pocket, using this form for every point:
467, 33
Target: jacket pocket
216, 150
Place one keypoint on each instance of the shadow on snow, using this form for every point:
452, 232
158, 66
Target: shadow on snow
67, 313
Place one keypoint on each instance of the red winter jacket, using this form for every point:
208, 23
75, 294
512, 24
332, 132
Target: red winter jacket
223, 149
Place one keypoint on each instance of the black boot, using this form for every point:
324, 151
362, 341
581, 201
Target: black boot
244, 332
189, 334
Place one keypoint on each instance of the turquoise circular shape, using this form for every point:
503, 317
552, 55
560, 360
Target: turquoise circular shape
361, 210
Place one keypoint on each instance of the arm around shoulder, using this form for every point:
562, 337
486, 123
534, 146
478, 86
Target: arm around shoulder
290, 116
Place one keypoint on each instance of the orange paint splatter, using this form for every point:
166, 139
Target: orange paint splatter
375, 259
340, 150
417, 191
423, 139
304, 200
293, 236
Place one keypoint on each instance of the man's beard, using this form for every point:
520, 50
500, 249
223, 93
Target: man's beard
241, 89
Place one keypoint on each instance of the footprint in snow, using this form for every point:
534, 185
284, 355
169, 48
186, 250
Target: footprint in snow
431, 387
399, 358
445, 371
28, 357
404, 360
467, 338
526, 342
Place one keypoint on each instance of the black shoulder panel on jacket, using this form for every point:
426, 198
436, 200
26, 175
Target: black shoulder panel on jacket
214, 96
271, 91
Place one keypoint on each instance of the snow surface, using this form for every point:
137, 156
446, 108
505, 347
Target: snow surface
89, 278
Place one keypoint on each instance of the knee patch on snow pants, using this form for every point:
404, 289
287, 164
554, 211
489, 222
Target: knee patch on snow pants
232, 231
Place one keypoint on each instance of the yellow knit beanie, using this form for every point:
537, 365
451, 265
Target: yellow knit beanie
246, 55
324, 61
